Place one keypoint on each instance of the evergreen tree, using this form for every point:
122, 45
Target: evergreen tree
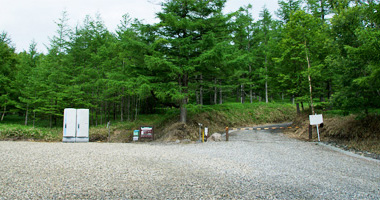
8, 61
181, 29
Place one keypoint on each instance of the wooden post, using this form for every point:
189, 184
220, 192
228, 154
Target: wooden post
226, 133
109, 130
310, 132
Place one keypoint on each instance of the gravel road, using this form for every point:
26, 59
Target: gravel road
253, 165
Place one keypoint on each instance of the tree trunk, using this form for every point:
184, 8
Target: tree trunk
122, 106
34, 117
293, 100
129, 107
215, 92
26, 115
114, 111
242, 93
137, 101
5, 109
51, 120
102, 112
298, 108
201, 91
55, 117
329, 89
96, 117
220, 94
266, 78
250, 86
309, 77
322, 10
237, 94
183, 110
197, 97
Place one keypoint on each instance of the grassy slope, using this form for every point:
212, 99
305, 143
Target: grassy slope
216, 117
361, 133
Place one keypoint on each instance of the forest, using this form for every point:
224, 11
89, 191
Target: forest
325, 51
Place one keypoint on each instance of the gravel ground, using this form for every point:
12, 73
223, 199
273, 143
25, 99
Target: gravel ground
253, 165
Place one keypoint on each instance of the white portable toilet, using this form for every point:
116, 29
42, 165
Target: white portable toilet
76, 125
82, 125
69, 125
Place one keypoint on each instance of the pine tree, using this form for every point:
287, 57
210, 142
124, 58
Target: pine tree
181, 29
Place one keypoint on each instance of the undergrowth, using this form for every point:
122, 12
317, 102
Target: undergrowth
20, 132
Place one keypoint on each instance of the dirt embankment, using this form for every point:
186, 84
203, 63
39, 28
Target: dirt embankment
349, 132
215, 122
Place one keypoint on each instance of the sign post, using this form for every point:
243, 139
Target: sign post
316, 120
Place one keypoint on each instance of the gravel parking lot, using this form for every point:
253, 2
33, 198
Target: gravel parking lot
253, 165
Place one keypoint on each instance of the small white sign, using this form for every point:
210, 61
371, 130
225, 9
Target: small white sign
315, 119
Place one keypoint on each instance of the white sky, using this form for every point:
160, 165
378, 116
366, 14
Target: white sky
27, 20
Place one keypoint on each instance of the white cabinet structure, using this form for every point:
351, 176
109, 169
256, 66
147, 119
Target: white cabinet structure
75, 125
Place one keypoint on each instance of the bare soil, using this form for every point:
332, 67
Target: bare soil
348, 132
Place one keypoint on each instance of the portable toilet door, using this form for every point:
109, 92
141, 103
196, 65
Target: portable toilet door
82, 127
69, 125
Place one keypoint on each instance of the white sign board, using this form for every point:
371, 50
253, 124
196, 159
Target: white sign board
315, 119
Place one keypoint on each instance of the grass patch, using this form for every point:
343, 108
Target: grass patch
21, 132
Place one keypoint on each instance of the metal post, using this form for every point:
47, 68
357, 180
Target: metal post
203, 136
226, 133
318, 134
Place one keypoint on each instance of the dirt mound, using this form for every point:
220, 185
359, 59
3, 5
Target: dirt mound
352, 128
179, 131
215, 122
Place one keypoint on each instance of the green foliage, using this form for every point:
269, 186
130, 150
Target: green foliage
197, 56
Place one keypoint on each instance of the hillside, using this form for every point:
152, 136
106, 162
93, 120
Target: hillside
167, 128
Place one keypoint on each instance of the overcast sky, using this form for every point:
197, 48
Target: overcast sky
27, 20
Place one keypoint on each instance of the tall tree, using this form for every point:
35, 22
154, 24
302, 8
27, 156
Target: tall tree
24, 79
181, 28
8, 61
302, 42
266, 30
243, 33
